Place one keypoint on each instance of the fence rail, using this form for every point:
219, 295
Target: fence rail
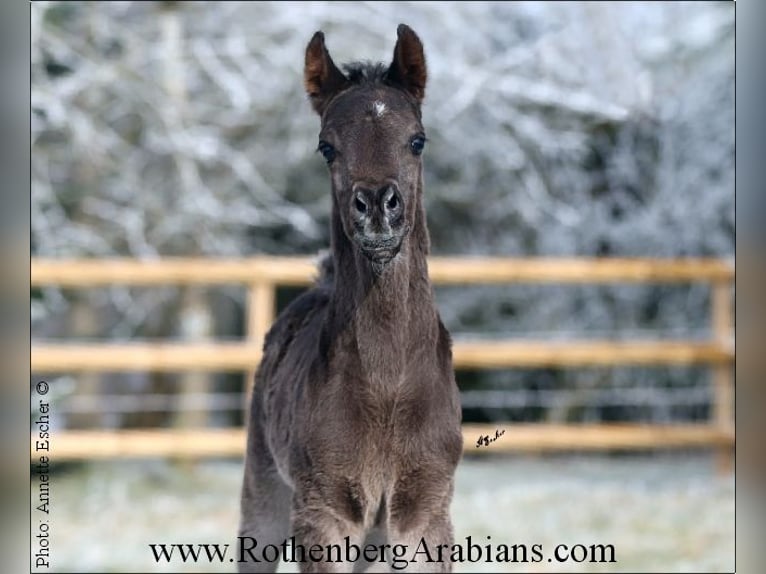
298, 271
235, 357
261, 276
194, 443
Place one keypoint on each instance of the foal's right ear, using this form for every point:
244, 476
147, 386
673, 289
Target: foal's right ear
321, 77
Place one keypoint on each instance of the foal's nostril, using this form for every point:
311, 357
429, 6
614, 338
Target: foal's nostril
390, 200
360, 205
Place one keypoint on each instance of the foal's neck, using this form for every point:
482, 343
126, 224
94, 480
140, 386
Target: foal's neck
391, 314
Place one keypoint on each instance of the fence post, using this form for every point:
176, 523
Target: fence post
723, 382
260, 316
196, 324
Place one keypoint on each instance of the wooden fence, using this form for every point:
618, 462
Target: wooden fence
261, 276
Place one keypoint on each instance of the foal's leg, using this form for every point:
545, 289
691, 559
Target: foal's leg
265, 505
420, 520
321, 517
375, 537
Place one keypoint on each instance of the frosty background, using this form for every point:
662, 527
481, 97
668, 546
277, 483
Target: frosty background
584, 129
556, 129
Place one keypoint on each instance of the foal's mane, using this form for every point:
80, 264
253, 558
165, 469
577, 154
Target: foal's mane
366, 73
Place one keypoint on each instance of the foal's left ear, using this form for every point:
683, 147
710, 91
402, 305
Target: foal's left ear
408, 68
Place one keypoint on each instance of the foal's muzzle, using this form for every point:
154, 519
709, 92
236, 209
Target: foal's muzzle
378, 214
379, 250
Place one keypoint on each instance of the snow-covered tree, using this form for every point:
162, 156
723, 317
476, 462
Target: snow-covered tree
174, 128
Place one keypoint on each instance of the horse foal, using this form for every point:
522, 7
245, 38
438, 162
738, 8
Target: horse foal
354, 431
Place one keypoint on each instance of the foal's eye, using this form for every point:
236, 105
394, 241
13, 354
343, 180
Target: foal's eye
417, 144
327, 151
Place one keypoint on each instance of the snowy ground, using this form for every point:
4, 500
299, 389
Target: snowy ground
661, 513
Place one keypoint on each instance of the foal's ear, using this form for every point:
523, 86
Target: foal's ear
321, 77
408, 68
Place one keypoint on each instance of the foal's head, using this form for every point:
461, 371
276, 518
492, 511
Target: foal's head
372, 138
